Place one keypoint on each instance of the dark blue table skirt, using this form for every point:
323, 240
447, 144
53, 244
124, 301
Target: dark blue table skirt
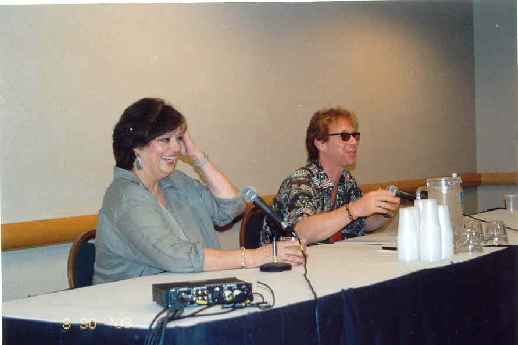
474, 302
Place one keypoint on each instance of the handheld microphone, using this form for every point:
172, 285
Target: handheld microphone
249, 194
400, 194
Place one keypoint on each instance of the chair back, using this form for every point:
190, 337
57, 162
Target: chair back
251, 224
81, 260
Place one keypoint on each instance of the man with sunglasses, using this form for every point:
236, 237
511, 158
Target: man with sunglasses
322, 200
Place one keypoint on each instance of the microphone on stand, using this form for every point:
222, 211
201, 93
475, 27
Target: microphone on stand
249, 194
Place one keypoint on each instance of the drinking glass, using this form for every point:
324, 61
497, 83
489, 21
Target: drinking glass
472, 237
496, 233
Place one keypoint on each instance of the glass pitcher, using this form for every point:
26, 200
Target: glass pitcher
448, 191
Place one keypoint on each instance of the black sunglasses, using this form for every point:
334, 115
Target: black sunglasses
347, 136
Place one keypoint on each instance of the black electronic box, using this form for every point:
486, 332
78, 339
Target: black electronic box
203, 292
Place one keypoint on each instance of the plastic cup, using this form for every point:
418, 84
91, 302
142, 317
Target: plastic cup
511, 202
408, 235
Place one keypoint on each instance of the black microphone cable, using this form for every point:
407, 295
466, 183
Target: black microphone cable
158, 325
310, 285
264, 305
249, 194
156, 333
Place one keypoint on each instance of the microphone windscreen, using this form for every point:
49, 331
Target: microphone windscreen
248, 194
393, 189
399, 193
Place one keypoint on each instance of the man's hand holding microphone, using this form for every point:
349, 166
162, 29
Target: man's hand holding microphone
380, 201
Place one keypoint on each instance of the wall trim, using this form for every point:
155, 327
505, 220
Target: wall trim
46, 232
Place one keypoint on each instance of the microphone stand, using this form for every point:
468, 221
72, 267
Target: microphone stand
275, 265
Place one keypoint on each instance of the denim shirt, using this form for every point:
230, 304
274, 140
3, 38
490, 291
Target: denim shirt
136, 236
308, 191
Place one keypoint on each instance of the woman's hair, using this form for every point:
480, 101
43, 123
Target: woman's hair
140, 123
319, 128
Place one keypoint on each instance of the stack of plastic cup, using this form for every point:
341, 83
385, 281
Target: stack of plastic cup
425, 232
408, 234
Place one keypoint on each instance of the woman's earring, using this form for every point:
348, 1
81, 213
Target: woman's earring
138, 163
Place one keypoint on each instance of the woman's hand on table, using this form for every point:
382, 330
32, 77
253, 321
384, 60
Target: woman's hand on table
287, 251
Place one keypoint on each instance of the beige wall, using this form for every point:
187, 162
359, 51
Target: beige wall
247, 76
496, 94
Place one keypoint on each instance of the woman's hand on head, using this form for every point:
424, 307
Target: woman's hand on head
375, 202
190, 149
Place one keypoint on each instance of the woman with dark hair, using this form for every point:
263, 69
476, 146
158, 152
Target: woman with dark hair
155, 218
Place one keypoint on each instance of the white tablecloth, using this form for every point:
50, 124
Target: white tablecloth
342, 265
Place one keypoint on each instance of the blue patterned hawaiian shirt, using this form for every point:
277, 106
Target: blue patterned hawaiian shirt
307, 192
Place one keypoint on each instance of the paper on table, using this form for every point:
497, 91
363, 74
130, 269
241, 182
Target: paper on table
380, 238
